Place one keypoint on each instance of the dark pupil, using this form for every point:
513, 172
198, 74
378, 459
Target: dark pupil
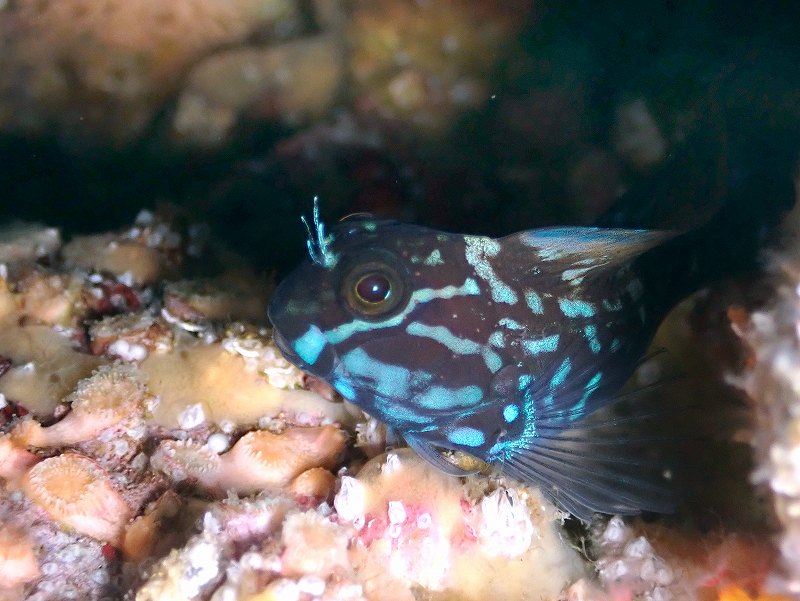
373, 288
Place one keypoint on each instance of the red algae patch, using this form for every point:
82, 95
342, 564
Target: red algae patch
77, 493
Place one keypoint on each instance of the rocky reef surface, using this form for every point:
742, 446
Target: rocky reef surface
154, 445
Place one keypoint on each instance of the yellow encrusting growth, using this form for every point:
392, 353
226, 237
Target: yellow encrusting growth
206, 381
45, 368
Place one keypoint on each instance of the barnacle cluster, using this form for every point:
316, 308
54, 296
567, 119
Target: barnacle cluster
654, 563
772, 381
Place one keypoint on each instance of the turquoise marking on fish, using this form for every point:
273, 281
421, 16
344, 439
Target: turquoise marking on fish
435, 258
344, 388
635, 289
524, 382
479, 250
534, 302
346, 330
442, 399
466, 436
575, 276
388, 380
591, 337
590, 387
497, 339
492, 360
310, 345
561, 374
510, 324
442, 335
543, 345
612, 306
510, 413
575, 308
437, 345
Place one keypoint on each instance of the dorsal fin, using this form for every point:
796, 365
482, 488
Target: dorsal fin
588, 248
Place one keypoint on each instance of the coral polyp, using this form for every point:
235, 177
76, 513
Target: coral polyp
258, 460
111, 395
77, 493
275, 459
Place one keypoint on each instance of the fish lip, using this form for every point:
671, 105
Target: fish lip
290, 355
283, 345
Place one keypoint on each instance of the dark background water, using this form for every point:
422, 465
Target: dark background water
721, 79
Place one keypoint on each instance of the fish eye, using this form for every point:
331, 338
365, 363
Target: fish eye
373, 289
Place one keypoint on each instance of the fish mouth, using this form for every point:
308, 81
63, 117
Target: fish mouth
286, 349
326, 367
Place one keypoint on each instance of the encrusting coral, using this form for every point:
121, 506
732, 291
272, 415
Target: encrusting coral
14, 461
425, 63
98, 383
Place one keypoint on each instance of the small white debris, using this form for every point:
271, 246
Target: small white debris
201, 567
311, 585
424, 521
397, 513
128, 352
505, 528
350, 501
391, 465
615, 571
638, 548
616, 532
191, 417
654, 569
227, 426
218, 442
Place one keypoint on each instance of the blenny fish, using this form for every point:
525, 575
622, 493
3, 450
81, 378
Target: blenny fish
498, 348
